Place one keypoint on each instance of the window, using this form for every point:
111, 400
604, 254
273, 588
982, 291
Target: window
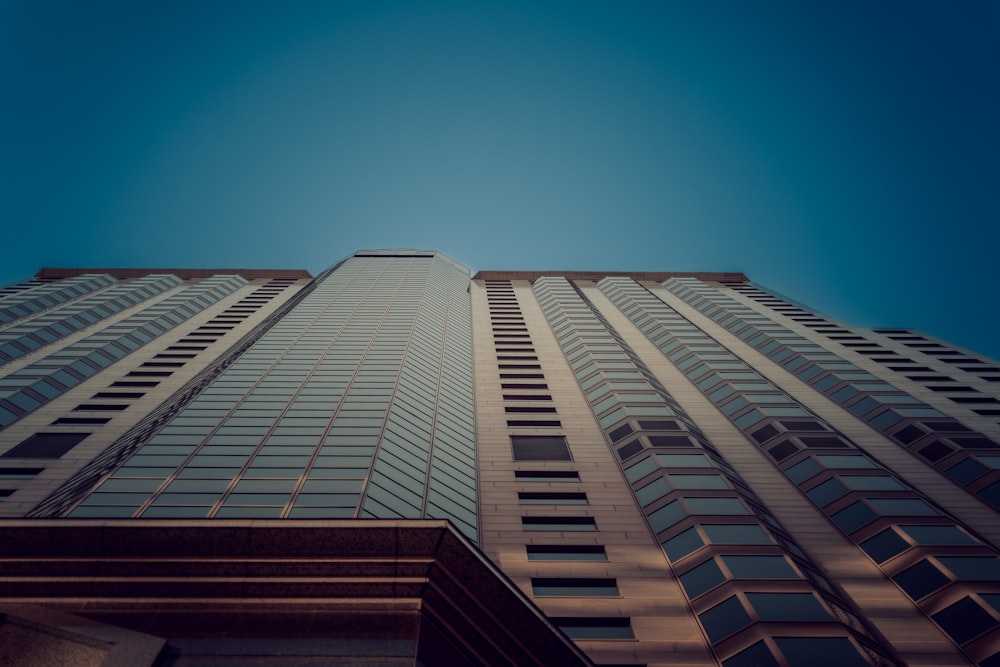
827, 492
724, 619
591, 627
546, 476
788, 607
902, 507
574, 587
973, 568
78, 421
871, 482
702, 578
104, 407
760, 567
715, 506
566, 552
920, 579
757, 655
682, 544
46, 445
884, 545
820, 652
539, 448
536, 423
19, 473
853, 517
559, 523
551, 498
964, 620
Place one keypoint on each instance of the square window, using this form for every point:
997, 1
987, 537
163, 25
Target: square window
702, 578
884, 545
724, 619
720, 533
964, 620
682, 544
920, 579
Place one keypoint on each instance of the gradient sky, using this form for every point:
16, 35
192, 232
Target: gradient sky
845, 153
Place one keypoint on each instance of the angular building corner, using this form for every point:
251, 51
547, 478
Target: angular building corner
400, 463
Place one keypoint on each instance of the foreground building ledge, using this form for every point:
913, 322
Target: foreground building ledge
407, 592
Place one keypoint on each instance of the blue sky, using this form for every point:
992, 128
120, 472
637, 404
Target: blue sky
846, 154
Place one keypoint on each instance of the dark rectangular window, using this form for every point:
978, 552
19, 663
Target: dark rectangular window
19, 473
559, 523
163, 364
522, 376
566, 552
105, 407
551, 498
539, 448
46, 445
540, 423
124, 383
155, 374
524, 385
118, 394
594, 627
527, 397
574, 587
546, 476
76, 421
529, 409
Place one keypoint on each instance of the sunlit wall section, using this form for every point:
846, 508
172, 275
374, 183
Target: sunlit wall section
754, 590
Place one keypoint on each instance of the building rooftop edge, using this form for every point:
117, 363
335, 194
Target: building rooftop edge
53, 273
658, 276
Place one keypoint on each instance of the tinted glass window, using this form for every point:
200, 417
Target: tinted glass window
788, 607
760, 567
681, 545
702, 578
820, 652
724, 619
720, 533
937, 535
884, 545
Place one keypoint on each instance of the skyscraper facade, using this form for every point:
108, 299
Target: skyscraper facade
398, 462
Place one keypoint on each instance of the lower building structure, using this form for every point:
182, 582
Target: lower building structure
397, 462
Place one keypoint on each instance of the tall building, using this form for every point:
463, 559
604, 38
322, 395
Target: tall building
400, 463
